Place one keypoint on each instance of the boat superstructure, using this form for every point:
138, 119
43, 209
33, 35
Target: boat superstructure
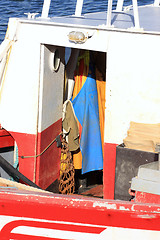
101, 69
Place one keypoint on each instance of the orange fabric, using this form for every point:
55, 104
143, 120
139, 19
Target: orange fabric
77, 160
101, 87
81, 74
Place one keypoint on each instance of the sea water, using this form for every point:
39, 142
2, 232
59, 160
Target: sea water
17, 8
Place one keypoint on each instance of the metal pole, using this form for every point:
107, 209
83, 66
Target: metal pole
156, 3
119, 5
109, 13
45, 10
79, 6
136, 16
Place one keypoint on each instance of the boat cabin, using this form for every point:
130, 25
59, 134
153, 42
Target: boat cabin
79, 101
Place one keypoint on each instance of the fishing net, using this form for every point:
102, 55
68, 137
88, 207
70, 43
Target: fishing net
67, 182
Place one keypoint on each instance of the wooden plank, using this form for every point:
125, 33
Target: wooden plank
8, 183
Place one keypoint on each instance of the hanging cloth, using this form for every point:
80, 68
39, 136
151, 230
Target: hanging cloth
101, 89
80, 77
86, 109
70, 126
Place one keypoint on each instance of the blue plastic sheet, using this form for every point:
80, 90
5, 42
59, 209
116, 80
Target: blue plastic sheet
85, 105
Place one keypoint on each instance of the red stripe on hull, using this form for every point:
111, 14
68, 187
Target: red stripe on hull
109, 170
26, 147
9, 227
28, 237
6, 140
48, 164
44, 169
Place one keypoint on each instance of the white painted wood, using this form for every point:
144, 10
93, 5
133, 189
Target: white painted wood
19, 95
51, 88
132, 83
5, 45
8, 183
19, 92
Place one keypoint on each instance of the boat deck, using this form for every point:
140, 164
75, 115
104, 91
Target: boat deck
148, 18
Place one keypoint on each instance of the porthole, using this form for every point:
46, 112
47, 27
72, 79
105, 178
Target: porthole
55, 60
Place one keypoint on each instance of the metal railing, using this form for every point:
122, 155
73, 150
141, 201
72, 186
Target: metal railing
119, 9
46, 6
79, 5
45, 10
156, 3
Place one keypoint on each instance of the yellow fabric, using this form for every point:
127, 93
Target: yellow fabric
63, 166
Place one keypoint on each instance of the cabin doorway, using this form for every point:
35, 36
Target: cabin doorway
85, 92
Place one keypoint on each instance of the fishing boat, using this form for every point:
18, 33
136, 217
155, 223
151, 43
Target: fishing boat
80, 125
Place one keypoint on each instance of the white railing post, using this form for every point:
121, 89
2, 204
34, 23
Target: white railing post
156, 3
119, 5
136, 15
119, 8
45, 10
109, 13
79, 6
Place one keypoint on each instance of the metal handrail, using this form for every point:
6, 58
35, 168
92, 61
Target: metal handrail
46, 6
79, 5
45, 10
119, 8
156, 3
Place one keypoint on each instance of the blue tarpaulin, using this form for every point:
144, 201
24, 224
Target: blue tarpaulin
85, 105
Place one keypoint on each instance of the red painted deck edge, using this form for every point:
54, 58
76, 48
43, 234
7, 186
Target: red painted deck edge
143, 197
80, 210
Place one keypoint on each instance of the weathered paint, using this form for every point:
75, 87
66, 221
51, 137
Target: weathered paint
145, 197
130, 88
35, 112
48, 164
27, 216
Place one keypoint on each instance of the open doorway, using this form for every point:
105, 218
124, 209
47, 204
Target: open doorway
85, 92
